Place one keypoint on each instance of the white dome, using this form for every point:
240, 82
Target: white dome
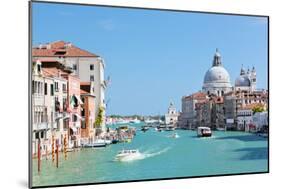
242, 81
217, 74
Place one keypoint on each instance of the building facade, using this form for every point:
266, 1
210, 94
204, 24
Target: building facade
187, 117
172, 116
87, 66
88, 114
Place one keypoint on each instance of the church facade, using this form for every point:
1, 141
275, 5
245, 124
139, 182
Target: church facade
217, 85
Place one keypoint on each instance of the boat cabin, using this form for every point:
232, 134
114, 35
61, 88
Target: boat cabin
204, 132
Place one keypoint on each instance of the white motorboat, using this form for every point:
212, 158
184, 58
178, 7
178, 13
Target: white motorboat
126, 155
204, 132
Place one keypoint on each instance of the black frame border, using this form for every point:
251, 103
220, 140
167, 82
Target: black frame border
137, 8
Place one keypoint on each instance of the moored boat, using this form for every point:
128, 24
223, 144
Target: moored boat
96, 144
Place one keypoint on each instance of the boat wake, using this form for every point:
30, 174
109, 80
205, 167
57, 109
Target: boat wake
143, 155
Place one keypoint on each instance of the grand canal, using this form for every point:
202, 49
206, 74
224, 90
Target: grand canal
162, 157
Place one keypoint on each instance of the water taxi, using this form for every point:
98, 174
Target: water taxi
204, 132
127, 155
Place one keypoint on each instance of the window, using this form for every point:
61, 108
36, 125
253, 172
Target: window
64, 104
83, 112
37, 135
52, 89
56, 86
83, 126
46, 88
64, 88
33, 85
92, 78
74, 67
92, 67
65, 124
74, 118
38, 68
57, 104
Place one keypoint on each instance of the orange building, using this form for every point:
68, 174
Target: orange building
87, 113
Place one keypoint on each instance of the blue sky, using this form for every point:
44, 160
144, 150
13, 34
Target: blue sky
154, 57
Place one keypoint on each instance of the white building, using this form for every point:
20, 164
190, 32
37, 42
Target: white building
172, 116
260, 120
87, 66
244, 119
39, 120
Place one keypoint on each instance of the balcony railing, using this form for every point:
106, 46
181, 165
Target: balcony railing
58, 115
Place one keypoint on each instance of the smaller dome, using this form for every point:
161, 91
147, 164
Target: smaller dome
242, 81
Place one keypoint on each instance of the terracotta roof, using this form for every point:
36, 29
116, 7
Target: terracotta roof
85, 83
196, 96
52, 72
62, 49
83, 91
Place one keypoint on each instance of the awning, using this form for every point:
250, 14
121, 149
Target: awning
79, 100
80, 117
74, 129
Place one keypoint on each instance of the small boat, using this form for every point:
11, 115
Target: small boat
170, 128
114, 141
204, 132
96, 144
108, 141
127, 155
144, 128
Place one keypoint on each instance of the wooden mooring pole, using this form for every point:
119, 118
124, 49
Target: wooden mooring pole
57, 153
39, 156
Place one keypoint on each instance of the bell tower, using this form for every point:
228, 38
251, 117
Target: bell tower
253, 78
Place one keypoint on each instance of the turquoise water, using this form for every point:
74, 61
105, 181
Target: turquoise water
162, 157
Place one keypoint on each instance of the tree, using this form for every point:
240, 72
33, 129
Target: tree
99, 118
258, 108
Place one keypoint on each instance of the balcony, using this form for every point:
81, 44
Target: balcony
40, 126
58, 115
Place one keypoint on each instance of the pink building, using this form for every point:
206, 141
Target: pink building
74, 103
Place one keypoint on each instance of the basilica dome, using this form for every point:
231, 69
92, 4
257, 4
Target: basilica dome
217, 74
217, 79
